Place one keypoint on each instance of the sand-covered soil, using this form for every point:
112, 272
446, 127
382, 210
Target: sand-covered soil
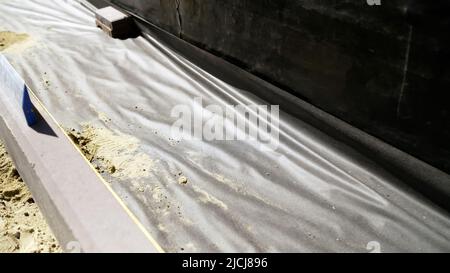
22, 226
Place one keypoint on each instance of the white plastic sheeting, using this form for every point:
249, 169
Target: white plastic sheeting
312, 194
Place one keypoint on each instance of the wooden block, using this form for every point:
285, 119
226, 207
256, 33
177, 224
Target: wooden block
115, 23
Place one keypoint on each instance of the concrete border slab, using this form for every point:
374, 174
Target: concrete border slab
82, 210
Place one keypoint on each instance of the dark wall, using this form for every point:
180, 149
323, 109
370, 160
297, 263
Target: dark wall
382, 68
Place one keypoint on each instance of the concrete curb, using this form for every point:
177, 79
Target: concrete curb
82, 210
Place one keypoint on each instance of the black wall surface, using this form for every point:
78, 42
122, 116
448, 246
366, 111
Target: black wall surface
383, 68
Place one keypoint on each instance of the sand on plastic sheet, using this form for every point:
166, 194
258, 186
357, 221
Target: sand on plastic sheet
112, 152
12, 42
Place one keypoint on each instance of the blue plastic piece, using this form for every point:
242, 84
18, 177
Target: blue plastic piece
14, 89
27, 107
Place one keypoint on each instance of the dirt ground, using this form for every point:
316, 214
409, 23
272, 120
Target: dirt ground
23, 229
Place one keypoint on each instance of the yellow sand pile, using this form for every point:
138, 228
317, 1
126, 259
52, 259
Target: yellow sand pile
22, 226
112, 152
8, 39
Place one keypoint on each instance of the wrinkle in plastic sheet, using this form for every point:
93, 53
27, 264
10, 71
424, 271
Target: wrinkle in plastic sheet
312, 194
